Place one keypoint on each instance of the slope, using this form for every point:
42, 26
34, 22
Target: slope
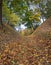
32, 50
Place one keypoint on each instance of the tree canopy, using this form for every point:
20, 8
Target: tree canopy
26, 11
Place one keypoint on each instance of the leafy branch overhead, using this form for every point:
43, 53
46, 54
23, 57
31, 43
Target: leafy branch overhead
9, 15
25, 11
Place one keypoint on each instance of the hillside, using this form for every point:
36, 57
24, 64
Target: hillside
32, 50
8, 34
41, 40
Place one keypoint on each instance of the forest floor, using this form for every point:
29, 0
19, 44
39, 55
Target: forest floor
34, 49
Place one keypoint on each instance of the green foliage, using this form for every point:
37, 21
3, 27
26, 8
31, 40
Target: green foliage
19, 11
35, 17
48, 9
37, 1
14, 18
45, 8
5, 11
9, 15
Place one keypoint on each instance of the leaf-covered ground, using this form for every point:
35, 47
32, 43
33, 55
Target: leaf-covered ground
31, 50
